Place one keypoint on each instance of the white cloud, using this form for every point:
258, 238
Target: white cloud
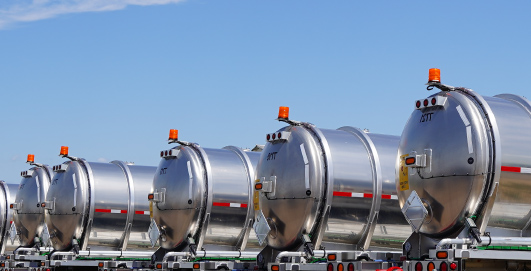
13, 11
102, 160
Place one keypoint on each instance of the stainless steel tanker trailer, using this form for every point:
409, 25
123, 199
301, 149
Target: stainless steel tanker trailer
28, 216
8, 241
98, 209
322, 191
464, 179
202, 204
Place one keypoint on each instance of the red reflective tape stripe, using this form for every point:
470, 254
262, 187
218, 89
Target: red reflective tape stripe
342, 194
140, 212
103, 210
511, 169
114, 211
228, 204
223, 204
360, 195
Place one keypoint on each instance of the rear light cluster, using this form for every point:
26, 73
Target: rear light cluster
27, 173
430, 102
340, 267
167, 154
278, 136
59, 168
443, 266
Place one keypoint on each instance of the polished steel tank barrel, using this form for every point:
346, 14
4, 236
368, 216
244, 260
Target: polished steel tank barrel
103, 206
466, 156
328, 187
9, 240
28, 216
202, 197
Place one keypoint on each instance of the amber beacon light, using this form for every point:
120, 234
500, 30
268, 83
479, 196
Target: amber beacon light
174, 134
434, 75
31, 158
283, 112
64, 151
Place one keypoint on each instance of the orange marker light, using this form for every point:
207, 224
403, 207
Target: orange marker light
431, 266
159, 266
151, 196
100, 264
442, 254
331, 257
283, 112
410, 160
43, 205
434, 75
174, 134
31, 158
275, 267
64, 150
196, 266
258, 186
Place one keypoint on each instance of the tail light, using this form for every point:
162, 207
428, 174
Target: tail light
418, 266
443, 266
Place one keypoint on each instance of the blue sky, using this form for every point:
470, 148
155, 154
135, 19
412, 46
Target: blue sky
109, 78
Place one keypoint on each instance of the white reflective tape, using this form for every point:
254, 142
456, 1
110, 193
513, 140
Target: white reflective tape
306, 168
38, 189
462, 115
357, 195
469, 139
394, 196
190, 181
114, 211
236, 205
75, 189
525, 170
146, 212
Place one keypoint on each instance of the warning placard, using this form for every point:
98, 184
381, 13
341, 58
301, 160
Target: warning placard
404, 176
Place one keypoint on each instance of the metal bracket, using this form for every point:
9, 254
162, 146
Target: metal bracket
473, 229
290, 122
49, 205
159, 196
192, 246
308, 245
269, 186
431, 85
419, 160
16, 206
